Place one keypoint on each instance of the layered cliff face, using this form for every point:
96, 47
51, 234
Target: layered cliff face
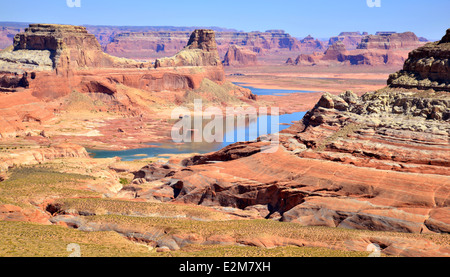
336, 52
351, 40
201, 50
237, 56
383, 48
148, 44
378, 162
389, 41
68, 47
51, 62
427, 67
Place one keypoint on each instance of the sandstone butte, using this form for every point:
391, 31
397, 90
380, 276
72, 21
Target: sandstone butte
154, 44
383, 48
49, 62
375, 162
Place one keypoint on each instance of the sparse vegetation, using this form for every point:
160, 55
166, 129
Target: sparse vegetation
27, 182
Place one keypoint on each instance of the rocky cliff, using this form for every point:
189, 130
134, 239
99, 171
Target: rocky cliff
237, 56
427, 67
68, 47
51, 62
383, 48
351, 40
143, 45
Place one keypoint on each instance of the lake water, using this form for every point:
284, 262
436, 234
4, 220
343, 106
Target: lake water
254, 128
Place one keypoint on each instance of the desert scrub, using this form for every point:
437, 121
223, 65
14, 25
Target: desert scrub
124, 181
249, 229
27, 182
23, 239
211, 92
121, 207
344, 132
248, 251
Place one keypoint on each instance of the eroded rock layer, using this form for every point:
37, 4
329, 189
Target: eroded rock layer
50, 62
427, 67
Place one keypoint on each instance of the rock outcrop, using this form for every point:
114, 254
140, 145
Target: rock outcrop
390, 40
68, 47
48, 63
384, 48
41, 155
237, 56
351, 40
375, 162
378, 162
427, 67
309, 45
336, 52
201, 50
144, 45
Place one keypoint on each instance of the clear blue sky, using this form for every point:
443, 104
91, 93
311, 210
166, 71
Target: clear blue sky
320, 18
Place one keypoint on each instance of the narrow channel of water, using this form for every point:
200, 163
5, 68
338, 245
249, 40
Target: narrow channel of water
252, 130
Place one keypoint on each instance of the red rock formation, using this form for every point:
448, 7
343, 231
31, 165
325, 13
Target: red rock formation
154, 44
374, 50
376, 162
15, 213
309, 45
351, 40
41, 155
426, 67
237, 56
200, 51
390, 41
149, 44
77, 63
335, 52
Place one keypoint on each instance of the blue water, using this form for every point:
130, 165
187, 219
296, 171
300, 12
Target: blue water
251, 131
276, 92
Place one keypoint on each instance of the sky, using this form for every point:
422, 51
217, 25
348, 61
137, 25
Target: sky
319, 18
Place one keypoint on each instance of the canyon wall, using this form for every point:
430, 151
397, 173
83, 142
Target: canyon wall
373, 50
49, 62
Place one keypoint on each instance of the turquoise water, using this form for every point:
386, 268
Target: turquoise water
276, 92
251, 131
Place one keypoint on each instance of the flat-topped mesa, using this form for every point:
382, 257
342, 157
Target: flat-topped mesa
201, 50
390, 40
65, 47
427, 67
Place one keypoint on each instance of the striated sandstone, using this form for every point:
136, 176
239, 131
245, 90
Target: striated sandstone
376, 162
